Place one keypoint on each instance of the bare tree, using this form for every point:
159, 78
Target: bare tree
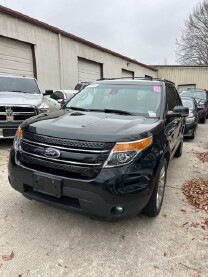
192, 47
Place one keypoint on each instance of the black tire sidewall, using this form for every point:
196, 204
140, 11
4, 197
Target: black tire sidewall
151, 208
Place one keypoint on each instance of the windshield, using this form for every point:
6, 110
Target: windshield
18, 85
194, 93
135, 99
188, 103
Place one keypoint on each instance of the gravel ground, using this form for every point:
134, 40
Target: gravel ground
52, 242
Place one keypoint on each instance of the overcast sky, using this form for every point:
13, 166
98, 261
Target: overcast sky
144, 30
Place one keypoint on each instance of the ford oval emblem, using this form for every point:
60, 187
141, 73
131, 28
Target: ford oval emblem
51, 153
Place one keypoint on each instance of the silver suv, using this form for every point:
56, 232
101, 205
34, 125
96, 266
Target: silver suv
20, 98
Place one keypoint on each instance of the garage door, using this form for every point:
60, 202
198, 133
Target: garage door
88, 71
15, 57
127, 73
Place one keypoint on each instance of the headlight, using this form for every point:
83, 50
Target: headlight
18, 139
124, 152
190, 119
43, 110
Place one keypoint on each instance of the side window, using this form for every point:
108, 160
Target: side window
173, 98
54, 95
60, 95
170, 98
177, 97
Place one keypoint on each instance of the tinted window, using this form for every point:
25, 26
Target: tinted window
78, 86
136, 99
60, 95
18, 85
173, 98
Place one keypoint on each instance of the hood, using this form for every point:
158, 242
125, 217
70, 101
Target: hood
17, 98
92, 126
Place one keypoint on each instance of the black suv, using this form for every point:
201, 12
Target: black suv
106, 152
201, 96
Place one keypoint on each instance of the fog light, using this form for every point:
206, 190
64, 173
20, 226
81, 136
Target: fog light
117, 210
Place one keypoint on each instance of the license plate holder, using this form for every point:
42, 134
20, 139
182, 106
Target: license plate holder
47, 185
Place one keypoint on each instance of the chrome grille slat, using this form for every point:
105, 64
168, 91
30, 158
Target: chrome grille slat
59, 160
53, 165
19, 112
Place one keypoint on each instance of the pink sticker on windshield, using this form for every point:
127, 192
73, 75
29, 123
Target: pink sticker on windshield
157, 88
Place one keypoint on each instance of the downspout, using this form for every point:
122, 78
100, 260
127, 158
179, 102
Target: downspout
60, 61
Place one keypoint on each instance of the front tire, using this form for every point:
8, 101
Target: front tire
203, 120
194, 133
179, 150
154, 205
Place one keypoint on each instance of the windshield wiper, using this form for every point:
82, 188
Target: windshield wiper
78, 109
111, 111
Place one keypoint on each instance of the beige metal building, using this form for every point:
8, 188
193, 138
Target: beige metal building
185, 76
59, 60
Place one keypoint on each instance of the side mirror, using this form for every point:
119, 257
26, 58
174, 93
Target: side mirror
48, 92
179, 111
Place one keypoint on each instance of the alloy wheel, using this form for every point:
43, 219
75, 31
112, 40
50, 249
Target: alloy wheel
161, 187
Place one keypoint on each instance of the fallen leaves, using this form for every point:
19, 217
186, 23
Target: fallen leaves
203, 224
196, 192
202, 156
205, 221
194, 224
8, 257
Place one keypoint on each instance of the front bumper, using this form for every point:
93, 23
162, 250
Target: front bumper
8, 129
129, 189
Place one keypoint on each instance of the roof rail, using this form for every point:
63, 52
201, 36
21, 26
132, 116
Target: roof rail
138, 78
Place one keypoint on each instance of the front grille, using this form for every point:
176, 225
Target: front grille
77, 159
19, 113
67, 142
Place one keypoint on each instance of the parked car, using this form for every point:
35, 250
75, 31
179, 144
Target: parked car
20, 98
61, 96
193, 117
105, 157
201, 96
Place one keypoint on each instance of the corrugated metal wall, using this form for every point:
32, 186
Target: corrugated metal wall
56, 55
185, 75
